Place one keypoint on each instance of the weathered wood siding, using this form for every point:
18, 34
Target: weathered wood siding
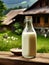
42, 21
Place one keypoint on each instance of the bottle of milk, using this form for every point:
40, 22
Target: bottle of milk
29, 39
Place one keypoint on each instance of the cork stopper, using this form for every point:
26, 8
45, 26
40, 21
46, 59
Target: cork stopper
28, 18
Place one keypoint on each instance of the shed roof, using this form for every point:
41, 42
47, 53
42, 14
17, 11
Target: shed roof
11, 15
29, 11
44, 10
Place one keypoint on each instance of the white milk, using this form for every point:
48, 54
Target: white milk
29, 44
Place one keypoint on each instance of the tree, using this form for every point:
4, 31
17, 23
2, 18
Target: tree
2, 8
20, 7
27, 6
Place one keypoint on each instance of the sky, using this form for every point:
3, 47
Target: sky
14, 3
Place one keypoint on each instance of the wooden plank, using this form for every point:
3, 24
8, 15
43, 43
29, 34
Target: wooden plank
11, 59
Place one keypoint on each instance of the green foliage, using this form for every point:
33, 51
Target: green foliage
2, 8
18, 28
20, 7
18, 31
42, 44
14, 41
11, 41
43, 50
17, 7
17, 25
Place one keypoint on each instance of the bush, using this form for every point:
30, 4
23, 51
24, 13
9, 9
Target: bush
18, 28
43, 50
17, 25
18, 31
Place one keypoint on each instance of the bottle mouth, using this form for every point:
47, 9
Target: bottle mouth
28, 18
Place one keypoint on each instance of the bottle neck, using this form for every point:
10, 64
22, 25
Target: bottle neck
29, 26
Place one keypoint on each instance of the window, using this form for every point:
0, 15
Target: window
34, 19
38, 19
46, 19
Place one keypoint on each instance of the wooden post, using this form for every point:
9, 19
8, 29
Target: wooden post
36, 22
42, 21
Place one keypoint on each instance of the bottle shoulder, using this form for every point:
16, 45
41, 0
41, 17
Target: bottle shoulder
26, 31
29, 32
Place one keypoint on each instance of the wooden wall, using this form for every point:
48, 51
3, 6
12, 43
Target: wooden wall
41, 21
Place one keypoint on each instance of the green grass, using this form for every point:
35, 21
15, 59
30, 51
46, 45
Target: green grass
7, 44
42, 44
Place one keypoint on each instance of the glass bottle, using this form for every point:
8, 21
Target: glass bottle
29, 39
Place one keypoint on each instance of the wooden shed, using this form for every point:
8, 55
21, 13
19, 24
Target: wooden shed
39, 12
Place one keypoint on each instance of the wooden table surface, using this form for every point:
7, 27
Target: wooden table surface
8, 58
